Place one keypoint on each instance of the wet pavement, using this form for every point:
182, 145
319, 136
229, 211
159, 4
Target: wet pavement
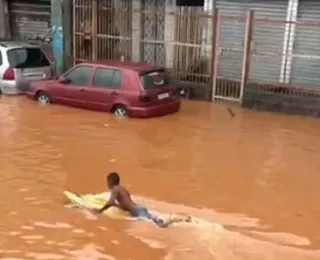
250, 181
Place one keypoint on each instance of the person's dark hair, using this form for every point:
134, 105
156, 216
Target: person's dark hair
113, 178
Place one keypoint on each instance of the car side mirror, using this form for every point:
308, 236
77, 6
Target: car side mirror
64, 80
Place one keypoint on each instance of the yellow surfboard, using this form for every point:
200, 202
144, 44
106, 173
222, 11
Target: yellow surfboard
84, 201
91, 201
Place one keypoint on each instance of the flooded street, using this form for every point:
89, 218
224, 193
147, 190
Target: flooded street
251, 181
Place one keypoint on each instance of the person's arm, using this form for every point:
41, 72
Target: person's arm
111, 202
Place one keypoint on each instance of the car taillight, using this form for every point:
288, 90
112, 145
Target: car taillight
144, 97
9, 74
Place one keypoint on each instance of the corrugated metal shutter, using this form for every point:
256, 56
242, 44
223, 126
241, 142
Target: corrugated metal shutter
267, 39
31, 21
305, 69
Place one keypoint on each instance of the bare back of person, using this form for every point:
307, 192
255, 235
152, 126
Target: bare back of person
123, 199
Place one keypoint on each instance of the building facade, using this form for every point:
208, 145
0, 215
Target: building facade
283, 43
277, 44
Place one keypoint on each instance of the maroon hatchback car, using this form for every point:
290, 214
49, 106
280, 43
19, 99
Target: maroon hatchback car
123, 88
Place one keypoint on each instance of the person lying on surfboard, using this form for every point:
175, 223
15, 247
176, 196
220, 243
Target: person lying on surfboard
120, 197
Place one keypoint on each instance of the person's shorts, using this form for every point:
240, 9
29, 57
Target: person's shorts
143, 213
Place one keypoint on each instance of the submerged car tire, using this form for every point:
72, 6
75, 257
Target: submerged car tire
43, 98
120, 111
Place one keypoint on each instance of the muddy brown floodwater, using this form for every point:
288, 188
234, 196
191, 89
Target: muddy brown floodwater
251, 181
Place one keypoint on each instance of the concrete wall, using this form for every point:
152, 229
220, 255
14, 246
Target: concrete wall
279, 99
136, 30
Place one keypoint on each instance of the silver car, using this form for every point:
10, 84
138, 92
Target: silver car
21, 63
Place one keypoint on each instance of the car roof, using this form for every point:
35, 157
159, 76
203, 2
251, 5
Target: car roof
15, 44
136, 66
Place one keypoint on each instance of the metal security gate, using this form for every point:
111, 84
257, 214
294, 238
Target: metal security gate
268, 40
102, 30
192, 45
31, 21
153, 21
266, 45
305, 67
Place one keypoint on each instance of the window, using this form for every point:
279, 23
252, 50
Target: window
80, 76
154, 79
107, 78
23, 58
117, 78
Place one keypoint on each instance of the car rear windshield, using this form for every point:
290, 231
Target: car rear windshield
154, 79
23, 58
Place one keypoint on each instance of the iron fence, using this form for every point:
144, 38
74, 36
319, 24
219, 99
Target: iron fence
230, 34
192, 45
101, 30
229, 54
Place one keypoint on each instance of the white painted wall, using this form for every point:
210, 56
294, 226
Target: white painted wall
288, 41
169, 31
136, 30
206, 48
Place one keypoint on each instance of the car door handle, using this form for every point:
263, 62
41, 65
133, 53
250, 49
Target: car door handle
114, 93
81, 89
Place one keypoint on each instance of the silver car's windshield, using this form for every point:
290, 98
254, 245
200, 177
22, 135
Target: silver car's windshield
22, 58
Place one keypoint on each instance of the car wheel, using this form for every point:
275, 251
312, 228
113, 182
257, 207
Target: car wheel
43, 98
120, 111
